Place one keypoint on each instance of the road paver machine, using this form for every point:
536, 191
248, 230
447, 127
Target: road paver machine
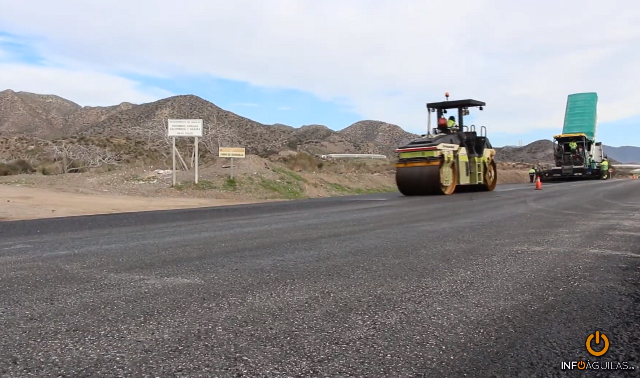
576, 153
451, 158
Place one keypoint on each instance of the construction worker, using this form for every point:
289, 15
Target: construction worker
589, 164
532, 174
451, 122
573, 146
604, 168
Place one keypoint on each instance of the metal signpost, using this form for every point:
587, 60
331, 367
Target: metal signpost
231, 152
184, 128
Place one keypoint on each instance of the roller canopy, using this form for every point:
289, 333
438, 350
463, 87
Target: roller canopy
455, 104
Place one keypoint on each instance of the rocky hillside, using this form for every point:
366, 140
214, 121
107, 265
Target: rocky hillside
138, 129
624, 154
540, 151
48, 117
38, 115
373, 136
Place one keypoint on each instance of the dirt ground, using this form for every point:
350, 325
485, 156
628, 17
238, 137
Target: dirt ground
20, 202
30, 196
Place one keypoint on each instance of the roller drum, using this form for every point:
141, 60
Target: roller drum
419, 181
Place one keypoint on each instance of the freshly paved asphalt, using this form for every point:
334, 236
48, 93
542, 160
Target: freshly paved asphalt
508, 283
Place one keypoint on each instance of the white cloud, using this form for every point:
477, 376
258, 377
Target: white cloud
83, 87
522, 58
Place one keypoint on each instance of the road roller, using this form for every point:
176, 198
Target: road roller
451, 158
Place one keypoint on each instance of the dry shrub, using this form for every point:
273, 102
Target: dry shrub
514, 166
15, 168
360, 166
51, 169
303, 162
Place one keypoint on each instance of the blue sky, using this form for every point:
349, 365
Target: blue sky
268, 106
335, 63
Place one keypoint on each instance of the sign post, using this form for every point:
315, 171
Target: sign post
184, 128
173, 152
196, 153
231, 152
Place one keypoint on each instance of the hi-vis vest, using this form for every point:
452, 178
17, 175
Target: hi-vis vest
605, 164
573, 145
532, 171
451, 123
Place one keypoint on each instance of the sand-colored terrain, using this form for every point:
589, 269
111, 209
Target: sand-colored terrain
129, 189
20, 202
31, 196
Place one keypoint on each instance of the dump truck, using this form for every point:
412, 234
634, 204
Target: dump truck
447, 159
577, 155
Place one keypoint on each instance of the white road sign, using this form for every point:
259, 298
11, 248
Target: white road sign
185, 127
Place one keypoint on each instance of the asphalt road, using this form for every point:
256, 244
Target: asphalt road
508, 283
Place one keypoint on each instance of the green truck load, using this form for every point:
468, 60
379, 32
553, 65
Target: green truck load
581, 115
577, 155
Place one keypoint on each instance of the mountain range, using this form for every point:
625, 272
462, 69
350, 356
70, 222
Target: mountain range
48, 117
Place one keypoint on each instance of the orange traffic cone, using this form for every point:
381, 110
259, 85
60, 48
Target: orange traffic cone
538, 184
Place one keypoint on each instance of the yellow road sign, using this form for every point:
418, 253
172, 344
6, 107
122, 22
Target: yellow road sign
231, 152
